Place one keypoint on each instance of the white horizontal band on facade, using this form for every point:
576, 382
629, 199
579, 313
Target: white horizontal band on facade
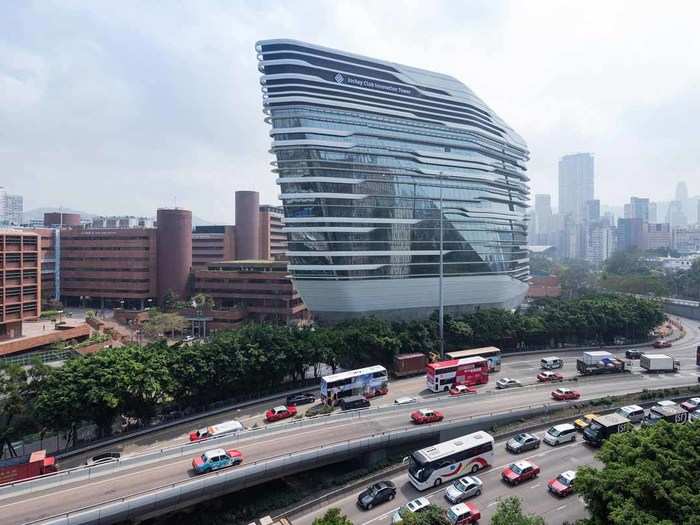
328, 229
337, 180
313, 195
336, 267
369, 253
351, 220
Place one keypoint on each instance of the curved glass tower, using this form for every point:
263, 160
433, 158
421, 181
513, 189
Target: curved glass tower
370, 156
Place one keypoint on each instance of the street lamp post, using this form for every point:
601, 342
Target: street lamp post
441, 300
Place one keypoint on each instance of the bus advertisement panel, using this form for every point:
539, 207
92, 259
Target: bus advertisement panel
490, 353
469, 371
368, 382
444, 462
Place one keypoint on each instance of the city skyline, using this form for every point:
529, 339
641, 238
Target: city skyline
178, 121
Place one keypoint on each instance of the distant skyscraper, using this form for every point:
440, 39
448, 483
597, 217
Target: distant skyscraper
639, 209
543, 217
592, 213
14, 209
576, 184
3, 205
681, 191
652, 212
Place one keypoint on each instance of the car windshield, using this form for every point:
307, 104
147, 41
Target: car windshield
204, 458
564, 481
520, 438
515, 468
553, 432
595, 426
462, 485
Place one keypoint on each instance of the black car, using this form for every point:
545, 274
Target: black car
633, 354
380, 492
300, 399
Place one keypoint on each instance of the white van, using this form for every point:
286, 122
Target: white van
634, 413
550, 363
559, 434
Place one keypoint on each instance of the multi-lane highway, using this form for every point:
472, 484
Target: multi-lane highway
256, 446
534, 494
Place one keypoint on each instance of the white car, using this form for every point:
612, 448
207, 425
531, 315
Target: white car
463, 488
404, 400
507, 382
415, 505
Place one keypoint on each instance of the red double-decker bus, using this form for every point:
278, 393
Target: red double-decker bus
469, 371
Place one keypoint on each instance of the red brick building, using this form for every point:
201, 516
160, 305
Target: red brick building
109, 266
20, 286
262, 290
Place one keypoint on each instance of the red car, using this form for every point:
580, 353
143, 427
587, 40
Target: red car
565, 394
280, 412
426, 415
463, 513
662, 344
459, 390
519, 471
549, 377
563, 484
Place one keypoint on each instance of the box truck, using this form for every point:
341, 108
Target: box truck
409, 364
602, 427
23, 467
658, 363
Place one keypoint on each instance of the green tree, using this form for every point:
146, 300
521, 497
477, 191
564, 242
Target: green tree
509, 511
333, 516
15, 400
203, 302
649, 477
576, 278
627, 262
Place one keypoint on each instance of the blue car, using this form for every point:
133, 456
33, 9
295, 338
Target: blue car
216, 459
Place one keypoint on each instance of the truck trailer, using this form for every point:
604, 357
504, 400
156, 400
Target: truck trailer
602, 427
23, 467
659, 363
670, 413
599, 362
409, 364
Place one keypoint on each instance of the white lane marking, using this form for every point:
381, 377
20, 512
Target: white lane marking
536, 485
560, 508
492, 504
392, 511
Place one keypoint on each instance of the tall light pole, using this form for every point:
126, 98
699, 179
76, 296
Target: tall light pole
441, 299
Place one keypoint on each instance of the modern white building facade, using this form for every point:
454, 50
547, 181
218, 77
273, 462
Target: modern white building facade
376, 163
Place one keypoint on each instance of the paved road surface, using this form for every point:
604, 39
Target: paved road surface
536, 498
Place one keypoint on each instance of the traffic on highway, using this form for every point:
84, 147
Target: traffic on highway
256, 434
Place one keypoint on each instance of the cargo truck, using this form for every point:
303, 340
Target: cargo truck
670, 413
409, 364
659, 363
599, 362
602, 427
23, 467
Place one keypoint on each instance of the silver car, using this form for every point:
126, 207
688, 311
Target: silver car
507, 382
464, 488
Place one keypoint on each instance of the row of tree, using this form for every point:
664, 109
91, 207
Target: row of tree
139, 382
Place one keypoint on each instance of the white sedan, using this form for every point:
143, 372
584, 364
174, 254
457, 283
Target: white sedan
507, 382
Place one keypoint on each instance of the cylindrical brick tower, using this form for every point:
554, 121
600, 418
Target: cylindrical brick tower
247, 225
174, 245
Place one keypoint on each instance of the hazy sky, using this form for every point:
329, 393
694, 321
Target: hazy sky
121, 107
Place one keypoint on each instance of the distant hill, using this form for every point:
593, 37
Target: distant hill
38, 214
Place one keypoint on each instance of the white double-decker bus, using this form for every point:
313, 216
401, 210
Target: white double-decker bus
433, 466
368, 382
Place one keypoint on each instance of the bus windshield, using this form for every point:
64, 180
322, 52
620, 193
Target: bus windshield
418, 469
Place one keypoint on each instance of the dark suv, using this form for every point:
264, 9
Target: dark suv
633, 354
300, 399
380, 492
